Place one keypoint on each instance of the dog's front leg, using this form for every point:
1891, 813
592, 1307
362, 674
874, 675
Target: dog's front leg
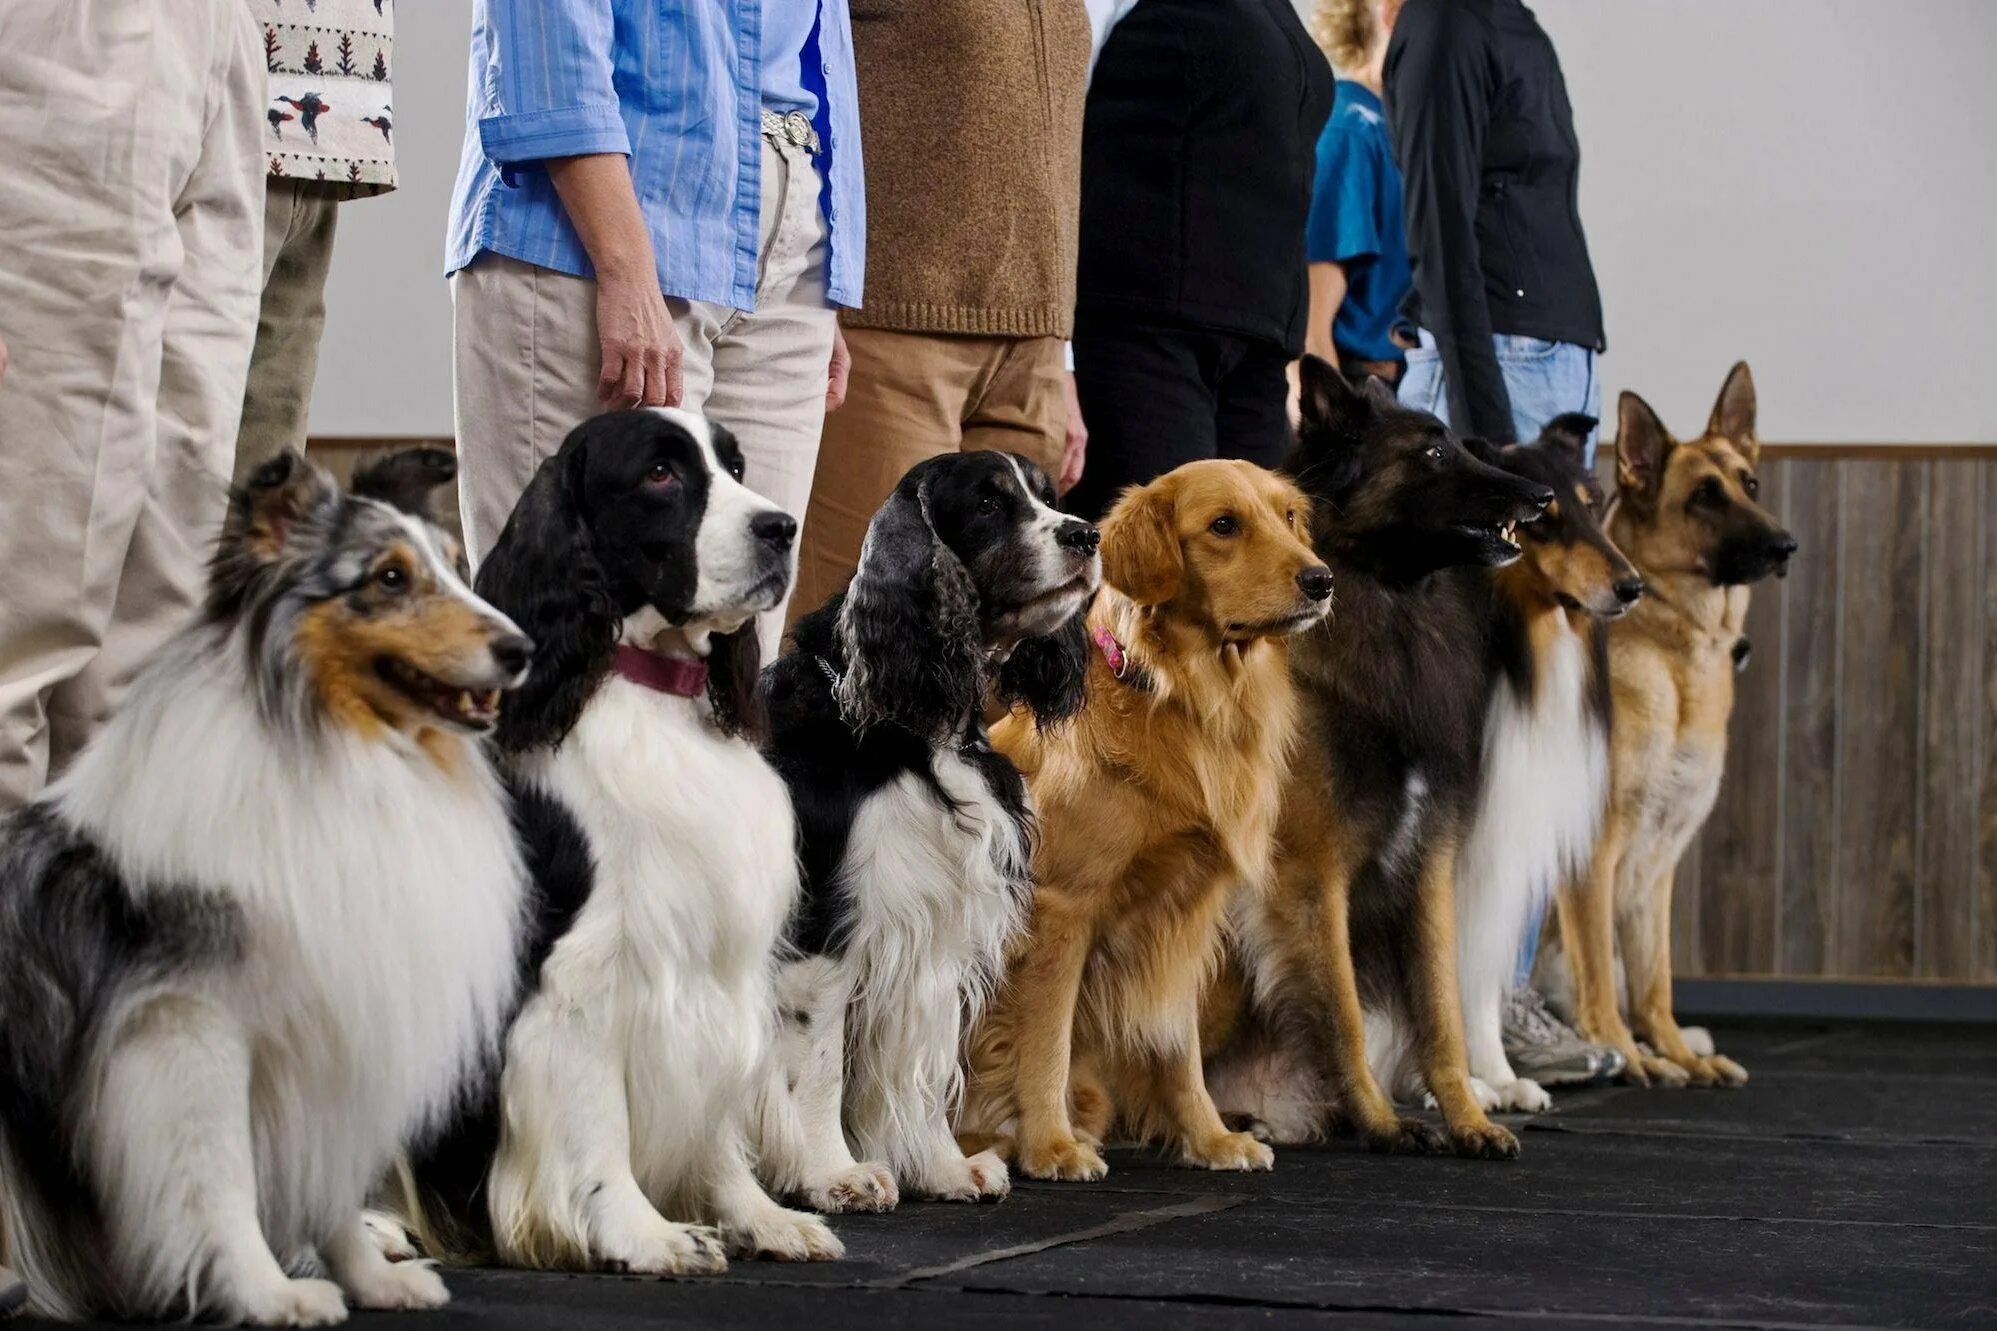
802, 1139
171, 1146
1045, 988
1437, 1008
1647, 963
1175, 1083
750, 1222
1587, 914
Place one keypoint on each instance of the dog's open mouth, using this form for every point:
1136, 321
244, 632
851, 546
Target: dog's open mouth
1500, 540
474, 709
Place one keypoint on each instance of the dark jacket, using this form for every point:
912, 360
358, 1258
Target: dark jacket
1484, 134
1197, 155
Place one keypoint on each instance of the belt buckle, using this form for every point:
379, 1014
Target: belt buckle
797, 128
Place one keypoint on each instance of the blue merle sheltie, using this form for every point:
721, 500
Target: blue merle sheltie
261, 932
627, 1126
914, 833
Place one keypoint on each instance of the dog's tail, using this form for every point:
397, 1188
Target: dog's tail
48, 1229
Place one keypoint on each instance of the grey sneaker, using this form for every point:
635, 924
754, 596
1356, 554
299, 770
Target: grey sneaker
1541, 1046
13, 1292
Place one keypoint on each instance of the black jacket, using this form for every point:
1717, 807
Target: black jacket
1484, 132
1198, 149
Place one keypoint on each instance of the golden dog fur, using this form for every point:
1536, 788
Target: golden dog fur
1156, 806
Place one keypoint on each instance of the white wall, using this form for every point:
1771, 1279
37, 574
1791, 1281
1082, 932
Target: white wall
1810, 184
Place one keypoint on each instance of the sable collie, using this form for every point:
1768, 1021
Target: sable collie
1545, 768
914, 833
1383, 793
1689, 516
1157, 806
262, 931
622, 1132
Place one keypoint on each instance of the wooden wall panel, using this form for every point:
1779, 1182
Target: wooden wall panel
1878, 712
1808, 495
1985, 887
1946, 777
1740, 850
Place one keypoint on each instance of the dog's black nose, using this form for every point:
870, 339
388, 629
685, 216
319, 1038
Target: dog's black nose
775, 527
1081, 537
1316, 582
1541, 498
513, 653
1629, 590
1781, 545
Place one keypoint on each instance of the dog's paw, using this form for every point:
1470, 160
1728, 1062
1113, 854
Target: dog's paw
388, 1235
1521, 1095
402, 1286
1237, 1151
1409, 1136
669, 1249
294, 1303
1649, 1070
785, 1236
990, 1179
1484, 1141
1062, 1158
864, 1187
1725, 1071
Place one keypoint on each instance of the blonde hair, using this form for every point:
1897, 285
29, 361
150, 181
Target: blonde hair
1346, 30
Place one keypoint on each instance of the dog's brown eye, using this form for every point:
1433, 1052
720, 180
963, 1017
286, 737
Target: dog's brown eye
392, 579
1708, 494
1751, 483
1224, 525
988, 506
1435, 452
660, 474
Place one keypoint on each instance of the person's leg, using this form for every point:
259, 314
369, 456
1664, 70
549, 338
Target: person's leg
299, 220
769, 364
1148, 398
524, 364
1252, 414
1023, 406
1545, 379
906, 400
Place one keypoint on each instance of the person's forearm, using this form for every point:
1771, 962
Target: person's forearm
596, 194
1327, 293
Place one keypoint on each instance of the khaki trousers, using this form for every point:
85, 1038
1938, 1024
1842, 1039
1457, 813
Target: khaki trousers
298, 223
911, 397
129, 233
526, 359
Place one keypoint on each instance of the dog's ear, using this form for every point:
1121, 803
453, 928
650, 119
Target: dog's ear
1047, 673
734, 665
543, 573
1642, 445
1142, 557
1482, 449
909, 626
1325, 401
280, 496
408, 479
1733, 413
1567, 436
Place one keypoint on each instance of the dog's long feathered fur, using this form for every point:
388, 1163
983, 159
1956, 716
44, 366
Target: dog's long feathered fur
913, 831
1157, 805
262, 931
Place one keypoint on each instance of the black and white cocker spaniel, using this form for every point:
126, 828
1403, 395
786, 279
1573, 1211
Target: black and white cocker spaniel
629, 1119
914, 834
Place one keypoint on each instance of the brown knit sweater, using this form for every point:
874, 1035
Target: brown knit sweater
971, 121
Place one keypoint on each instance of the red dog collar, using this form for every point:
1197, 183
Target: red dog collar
665, 674
1112, 651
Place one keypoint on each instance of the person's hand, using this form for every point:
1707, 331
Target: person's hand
641, 348
837, 372
1075, 447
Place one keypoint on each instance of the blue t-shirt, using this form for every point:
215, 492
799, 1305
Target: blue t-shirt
1356, 222
787, 26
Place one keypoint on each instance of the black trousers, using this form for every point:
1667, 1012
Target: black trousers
1156, 395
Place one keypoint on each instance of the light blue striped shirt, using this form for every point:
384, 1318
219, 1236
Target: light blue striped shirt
675, 85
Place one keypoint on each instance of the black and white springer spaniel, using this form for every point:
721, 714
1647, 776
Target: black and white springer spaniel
914, 834
634, 1108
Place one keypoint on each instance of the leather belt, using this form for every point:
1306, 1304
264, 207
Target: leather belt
792, 127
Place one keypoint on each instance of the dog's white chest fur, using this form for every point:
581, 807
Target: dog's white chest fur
382, 897
693, 841
937, 892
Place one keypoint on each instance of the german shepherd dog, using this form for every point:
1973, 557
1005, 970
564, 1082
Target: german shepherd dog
1381, 794
1688, 516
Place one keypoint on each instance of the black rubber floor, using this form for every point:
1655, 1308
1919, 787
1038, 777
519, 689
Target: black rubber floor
1852, 1183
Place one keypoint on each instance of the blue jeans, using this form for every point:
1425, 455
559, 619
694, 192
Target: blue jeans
1542, 378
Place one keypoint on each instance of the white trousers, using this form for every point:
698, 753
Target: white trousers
527, 357
131, 222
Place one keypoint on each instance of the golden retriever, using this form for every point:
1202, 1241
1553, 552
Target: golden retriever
1156, 806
